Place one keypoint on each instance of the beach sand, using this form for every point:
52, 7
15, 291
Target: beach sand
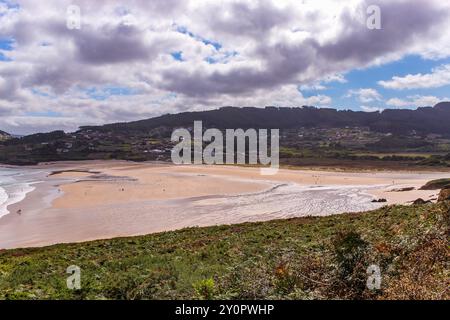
105, 199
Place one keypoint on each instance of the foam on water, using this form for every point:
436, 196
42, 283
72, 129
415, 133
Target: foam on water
286, 201
295, 200
14, 186
3, 198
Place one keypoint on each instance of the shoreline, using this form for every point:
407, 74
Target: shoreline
89, 200
344, 168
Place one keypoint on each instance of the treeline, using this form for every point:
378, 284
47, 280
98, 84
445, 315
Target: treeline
423, 120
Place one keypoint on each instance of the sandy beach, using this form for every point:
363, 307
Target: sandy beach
103, 199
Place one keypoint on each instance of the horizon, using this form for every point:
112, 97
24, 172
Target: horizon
237, 107
63, 67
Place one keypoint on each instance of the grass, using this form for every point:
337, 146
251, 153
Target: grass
436, 184
301, 258
399, 154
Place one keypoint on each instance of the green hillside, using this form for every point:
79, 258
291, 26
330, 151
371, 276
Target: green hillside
302, 258
436, 184
423, 120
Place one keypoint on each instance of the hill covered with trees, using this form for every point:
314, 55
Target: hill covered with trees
424, 120
309, 136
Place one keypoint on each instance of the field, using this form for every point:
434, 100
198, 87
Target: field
302, 258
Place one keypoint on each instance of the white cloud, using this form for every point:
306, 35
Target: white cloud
365, 95
320, 85
371, 109
396, 102
267, 50
415, 101
3, 8
340, 78
312, 87
439, 77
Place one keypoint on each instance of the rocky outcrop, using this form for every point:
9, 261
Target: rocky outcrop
444, 195
420, 201
436, 184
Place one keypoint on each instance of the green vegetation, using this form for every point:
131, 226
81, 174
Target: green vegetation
436, 184
301, 258
205, 288
393, 139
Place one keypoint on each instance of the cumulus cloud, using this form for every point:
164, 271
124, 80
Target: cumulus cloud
371, 109
248, 52
439, 77
415, 101
322, 83
365, 95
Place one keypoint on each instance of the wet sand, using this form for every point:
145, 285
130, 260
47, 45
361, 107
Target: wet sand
106, 199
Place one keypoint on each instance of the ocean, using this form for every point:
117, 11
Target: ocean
15, 183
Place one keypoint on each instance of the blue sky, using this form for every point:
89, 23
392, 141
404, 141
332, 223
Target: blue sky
6, 44
369, 78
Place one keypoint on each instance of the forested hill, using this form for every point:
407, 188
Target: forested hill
423, 120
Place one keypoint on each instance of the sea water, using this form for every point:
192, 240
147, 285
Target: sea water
283, 201
15, 183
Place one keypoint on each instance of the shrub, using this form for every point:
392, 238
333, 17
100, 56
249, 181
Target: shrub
205, 288
350, 257
284, 279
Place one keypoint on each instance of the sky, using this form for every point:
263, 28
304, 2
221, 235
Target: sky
112, 61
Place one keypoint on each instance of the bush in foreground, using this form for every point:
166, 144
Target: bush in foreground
301, 258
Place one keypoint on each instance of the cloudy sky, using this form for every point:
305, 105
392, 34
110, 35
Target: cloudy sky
136, 59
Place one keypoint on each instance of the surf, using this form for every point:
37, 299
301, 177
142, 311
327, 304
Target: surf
12, 190
3, 199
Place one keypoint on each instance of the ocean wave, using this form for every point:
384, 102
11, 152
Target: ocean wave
3, 199
14, 186
286, 201
15, 193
